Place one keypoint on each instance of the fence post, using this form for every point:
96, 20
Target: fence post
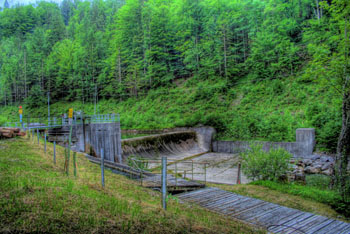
37, 133
192, 169
239, 174
205, 173
75, 163
164, 182
175, 174
54, 152
102, 168
45, 142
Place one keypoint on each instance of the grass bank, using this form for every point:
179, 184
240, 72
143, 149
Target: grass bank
266, 110
36, 196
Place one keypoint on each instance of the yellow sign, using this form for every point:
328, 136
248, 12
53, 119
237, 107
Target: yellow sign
20, 111
70, 113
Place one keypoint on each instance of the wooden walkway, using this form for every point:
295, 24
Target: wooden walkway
274, 218
173, 184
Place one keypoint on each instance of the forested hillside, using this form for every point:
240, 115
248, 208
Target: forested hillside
254, 69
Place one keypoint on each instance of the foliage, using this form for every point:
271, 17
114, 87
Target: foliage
249, 68
258, 164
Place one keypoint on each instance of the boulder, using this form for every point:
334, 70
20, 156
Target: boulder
326, 166
328, 172
312, 170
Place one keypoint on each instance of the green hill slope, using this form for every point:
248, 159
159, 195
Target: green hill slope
266, 110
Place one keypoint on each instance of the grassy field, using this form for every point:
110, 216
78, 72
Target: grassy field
36, 196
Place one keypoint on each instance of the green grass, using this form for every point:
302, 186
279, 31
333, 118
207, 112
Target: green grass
267, 110
36, 196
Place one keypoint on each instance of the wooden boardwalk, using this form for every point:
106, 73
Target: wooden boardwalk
173, 184
274, 218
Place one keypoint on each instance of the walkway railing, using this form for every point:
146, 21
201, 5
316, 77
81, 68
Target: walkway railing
53, 122
185, 169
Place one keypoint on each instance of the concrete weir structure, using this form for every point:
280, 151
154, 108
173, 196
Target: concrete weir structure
303, 146
178, 144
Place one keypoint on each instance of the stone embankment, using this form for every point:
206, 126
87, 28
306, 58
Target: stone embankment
315, 164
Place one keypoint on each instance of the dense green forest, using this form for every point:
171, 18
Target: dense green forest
254, 69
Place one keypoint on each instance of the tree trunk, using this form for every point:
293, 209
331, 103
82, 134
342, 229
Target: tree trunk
225, 54
343, 150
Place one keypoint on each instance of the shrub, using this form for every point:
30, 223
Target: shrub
258, 164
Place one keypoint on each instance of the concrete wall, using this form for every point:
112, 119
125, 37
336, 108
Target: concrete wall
91, 138
304, 145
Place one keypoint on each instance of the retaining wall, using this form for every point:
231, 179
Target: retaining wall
303, 146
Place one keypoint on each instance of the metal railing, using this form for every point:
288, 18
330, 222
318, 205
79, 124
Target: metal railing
184, 169
42, 122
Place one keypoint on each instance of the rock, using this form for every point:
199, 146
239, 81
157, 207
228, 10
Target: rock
312, 170
326, 166
315, 157
307, 162
328, 172
300, 177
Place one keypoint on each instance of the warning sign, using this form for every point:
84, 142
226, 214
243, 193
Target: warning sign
70, 113
20, 111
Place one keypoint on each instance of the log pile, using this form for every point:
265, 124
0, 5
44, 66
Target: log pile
11, 132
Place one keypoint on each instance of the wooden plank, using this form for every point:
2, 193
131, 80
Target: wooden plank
251, 214
199, 197
334, 227
274, 217
321, 225
223, 201
244, 206
290, 223
346, 230
185, 195
304, 225
229, 203
216, 200
281, 223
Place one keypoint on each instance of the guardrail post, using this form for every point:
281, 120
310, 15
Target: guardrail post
164, 182
102, 168
54, 152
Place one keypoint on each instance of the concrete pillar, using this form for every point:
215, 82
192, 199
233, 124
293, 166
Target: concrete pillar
307, 138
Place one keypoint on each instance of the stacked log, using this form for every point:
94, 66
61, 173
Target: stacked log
11, 132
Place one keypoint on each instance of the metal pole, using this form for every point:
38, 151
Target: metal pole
102, 168
192, 169
54, 152
37, 133
45, 142
164, 182
75, 163
175, 174
48, 107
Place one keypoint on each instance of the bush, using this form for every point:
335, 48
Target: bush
258, 164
